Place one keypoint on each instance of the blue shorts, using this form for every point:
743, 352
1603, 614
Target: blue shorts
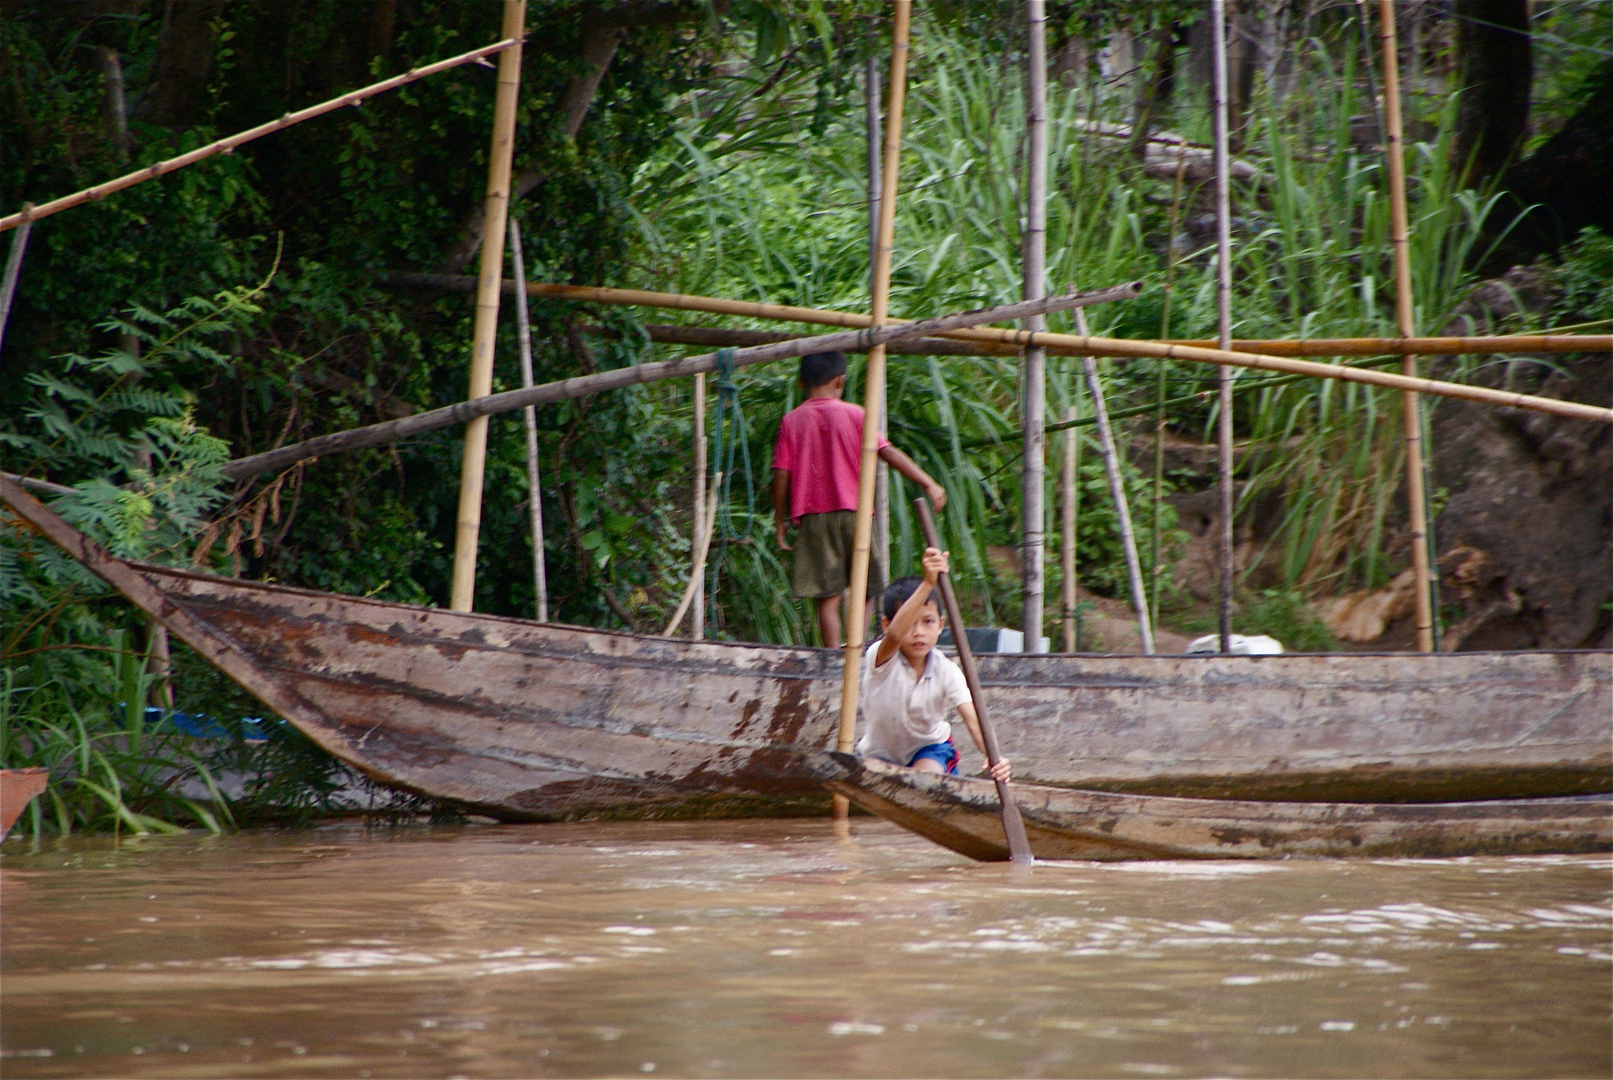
943, 753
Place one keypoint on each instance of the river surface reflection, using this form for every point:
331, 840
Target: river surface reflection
770, 948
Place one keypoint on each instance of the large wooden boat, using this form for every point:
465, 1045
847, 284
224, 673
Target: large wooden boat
964, 814
531, 721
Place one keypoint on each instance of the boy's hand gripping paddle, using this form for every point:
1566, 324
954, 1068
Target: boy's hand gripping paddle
1019, 846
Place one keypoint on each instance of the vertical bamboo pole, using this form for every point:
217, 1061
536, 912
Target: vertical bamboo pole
873, 393
698, 542
882, 473
1034, 366
1416, 498
485, 330
529, 415
1223, 288
1161, 385
1068, 485
1117, 491
8, 283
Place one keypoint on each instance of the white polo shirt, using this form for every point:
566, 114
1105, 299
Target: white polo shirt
904, 711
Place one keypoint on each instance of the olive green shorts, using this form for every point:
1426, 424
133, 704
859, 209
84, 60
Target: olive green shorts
823, 544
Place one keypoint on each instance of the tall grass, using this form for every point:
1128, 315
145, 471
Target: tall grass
1311, 259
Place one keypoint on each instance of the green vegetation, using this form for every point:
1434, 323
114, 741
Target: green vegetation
236, 306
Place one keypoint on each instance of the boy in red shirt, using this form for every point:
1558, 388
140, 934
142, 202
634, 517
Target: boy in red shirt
816, 463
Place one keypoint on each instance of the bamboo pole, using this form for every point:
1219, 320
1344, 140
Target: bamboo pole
1069, 485
230, 142
1010, 341
1117, 492
1223, 291
1161, 390
697, 565
1033, 368
534, 487
620, 378
701, 538
873, 394
485, 329
8, 284
882, 473
1416, 497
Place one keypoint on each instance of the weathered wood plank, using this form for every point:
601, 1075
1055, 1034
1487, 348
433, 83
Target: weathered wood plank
961, 813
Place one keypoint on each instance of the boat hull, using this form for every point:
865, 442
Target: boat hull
964, 814
536, 721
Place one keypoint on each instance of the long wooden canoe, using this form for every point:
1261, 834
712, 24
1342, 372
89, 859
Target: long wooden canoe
963, 814
533, 721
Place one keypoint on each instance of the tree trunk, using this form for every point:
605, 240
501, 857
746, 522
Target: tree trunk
1564, 185
1495, 69
600, 38
184, 61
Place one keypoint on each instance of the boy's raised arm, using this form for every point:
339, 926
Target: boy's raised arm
910, 469
935, 564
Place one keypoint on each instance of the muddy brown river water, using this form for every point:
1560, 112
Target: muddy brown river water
772, 948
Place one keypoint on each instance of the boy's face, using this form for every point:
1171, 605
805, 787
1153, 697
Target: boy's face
921, 638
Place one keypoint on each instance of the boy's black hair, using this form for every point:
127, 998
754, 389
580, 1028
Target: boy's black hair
897, 592
821, 367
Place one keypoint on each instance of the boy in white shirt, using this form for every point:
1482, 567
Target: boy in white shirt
909, 688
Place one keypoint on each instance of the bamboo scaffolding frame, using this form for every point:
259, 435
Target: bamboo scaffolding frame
1117, 492
1411, 408
1008, 342
1033, 365
619, 378
230, 142
873, 396
566, 389
1223, 294
529, 419
484, 331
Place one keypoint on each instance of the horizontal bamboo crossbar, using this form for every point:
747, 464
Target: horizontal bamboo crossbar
584, 386
230, 142
1015, 339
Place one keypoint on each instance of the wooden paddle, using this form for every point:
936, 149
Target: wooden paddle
1019, 846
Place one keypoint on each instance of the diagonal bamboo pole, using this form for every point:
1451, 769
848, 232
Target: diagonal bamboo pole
873, 395
485, 328
619, 378
230, 142
1033, 367
1117, 492
1011, 341
8, 283
529, 417
1416, 497
1223, 292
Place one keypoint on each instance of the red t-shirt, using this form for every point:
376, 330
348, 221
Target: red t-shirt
820, 446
